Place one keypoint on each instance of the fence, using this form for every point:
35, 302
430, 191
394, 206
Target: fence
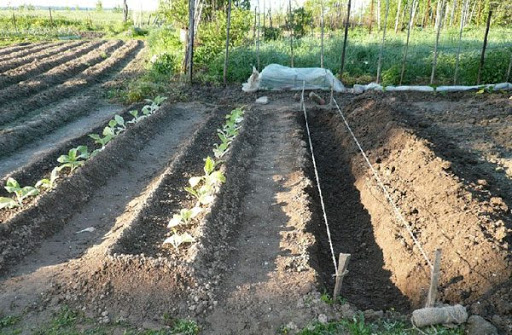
445, 48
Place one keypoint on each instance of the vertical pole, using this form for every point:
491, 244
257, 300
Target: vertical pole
226, 59
397, 16
51, 18
482, 57
191, 24
14, 22
254, 30
464, 9
342, 272
378, 15
371, 16
409, 27
509, 69
434, 280
379, 65
347, 22
439, 24
322, 35
258, 40
291, 32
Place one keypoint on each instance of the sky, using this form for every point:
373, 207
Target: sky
135, 4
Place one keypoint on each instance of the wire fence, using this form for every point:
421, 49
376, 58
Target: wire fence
445, 53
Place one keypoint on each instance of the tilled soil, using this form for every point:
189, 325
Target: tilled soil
261, 255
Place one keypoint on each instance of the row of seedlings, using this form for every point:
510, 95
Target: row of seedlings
75, 158
204, 188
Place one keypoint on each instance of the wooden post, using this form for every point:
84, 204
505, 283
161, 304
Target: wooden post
397, 18
439, 21
291, 32
379, 64
258, 40
226, 59
347, 22
409, 27
434, 280
322, 34
14, 22
509, 69
191, 25
342, 271
482, 57
51, 18
464, 9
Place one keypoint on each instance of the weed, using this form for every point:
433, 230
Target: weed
9, 321
185, 327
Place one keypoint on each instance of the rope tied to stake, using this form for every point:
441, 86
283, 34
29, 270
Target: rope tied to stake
303, 105
396, 210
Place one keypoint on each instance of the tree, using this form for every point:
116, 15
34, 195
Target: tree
99, 6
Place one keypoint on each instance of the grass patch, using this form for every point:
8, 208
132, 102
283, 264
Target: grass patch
358, 326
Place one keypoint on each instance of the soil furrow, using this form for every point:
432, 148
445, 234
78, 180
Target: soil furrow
16, 48
33, 69
25, 130
55, 76
25, 56
268, 271
90, 76
121, 169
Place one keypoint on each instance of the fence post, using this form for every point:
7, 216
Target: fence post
409, 27
439, 21
347, 23
51, 18
14, 22
191, 25
509, 69
291, 32
464, 9
322, 35
226, 59
379, 65
482, 58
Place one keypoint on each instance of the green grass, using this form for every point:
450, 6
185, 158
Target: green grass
69, 322
358, 326
36, 25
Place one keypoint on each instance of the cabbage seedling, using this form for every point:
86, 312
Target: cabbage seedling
178, 239
12, 186
74, 159
185, 216
7, 203
49, 183
101, 140
120, 122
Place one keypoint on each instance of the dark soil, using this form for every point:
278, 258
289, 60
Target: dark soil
28, 54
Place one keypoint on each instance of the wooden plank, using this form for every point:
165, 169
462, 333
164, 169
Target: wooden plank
434, 280
342, 271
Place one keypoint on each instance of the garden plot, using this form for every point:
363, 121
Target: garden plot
49, 109
258, 255
16, 48
29, 54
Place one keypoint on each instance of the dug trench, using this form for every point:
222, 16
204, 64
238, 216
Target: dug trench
442, 209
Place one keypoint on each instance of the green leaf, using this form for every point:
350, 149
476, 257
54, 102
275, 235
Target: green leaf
7, 203
134, 113
209, 165
108, 131
43, 183
112, 123
178, 239
95, 137
119, 119
192, 191
175, 221
11, 182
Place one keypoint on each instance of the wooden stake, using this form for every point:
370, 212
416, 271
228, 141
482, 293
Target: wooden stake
347, 22
342, 271
434, 280
482, 57
226, 59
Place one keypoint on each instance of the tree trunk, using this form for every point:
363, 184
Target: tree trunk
371, 16
427, 14
347, 22
439, 20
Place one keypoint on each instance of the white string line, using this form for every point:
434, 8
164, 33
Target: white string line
384, 189
318, 184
